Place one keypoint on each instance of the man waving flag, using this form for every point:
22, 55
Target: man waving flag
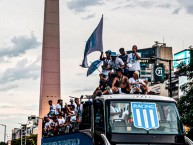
94, 43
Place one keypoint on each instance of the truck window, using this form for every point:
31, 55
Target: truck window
148, 118
86, 116
99, 115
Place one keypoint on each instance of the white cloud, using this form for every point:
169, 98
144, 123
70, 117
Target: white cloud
187, 5
82, 5
5, 87
19, 46
176, 11
24, 69
89, 16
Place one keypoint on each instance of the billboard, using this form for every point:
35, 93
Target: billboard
182, 55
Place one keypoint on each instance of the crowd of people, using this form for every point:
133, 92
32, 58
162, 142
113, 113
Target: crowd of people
121, 73
62, 119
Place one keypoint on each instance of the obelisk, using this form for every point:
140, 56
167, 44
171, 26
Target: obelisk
50, 69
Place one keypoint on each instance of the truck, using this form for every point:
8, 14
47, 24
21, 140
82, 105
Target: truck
123, 119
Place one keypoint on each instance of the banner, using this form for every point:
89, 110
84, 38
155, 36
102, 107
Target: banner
77, 138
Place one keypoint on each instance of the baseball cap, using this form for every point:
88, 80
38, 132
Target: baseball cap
108, 51
113, 54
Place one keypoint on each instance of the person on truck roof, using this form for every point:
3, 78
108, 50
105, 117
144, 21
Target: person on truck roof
124, 57
137, 85
120, 83
134, 59
102, 84
106, 61
115, 62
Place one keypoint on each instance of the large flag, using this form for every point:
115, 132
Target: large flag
94, 43
93, 67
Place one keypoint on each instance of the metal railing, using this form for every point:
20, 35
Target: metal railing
188, 141
105, 139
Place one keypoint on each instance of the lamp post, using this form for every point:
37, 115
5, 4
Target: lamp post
4, 131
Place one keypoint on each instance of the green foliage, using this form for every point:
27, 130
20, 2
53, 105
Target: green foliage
31, 140
2, 143
185, 103
185, 107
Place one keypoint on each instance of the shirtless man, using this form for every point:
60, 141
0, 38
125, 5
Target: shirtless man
120, 83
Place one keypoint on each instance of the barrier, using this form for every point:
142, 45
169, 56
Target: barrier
75, 138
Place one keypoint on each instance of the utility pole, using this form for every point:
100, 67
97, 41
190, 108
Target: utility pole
170, 87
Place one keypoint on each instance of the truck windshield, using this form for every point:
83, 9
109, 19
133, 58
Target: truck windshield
143, 117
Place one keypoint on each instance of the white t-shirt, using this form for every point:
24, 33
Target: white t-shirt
133, 81
115, 64
58, 107
48, 124
78, 109
61, 121
73, 118
114, 110
52, 109
125, 113
132, 59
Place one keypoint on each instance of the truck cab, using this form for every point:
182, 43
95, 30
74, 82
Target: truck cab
136, 119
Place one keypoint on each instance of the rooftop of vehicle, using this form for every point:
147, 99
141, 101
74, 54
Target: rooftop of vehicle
135, 97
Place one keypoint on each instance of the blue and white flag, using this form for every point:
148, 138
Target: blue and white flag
94, 43
145, 115
93, 67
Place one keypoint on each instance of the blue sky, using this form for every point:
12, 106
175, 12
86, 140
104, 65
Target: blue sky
126, 22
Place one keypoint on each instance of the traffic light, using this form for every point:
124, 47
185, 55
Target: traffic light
23, 134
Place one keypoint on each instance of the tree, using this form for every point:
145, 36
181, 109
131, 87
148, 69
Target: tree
30, 140
185, 103
2, 143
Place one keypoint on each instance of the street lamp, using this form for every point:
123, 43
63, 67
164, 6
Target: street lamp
4, 131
